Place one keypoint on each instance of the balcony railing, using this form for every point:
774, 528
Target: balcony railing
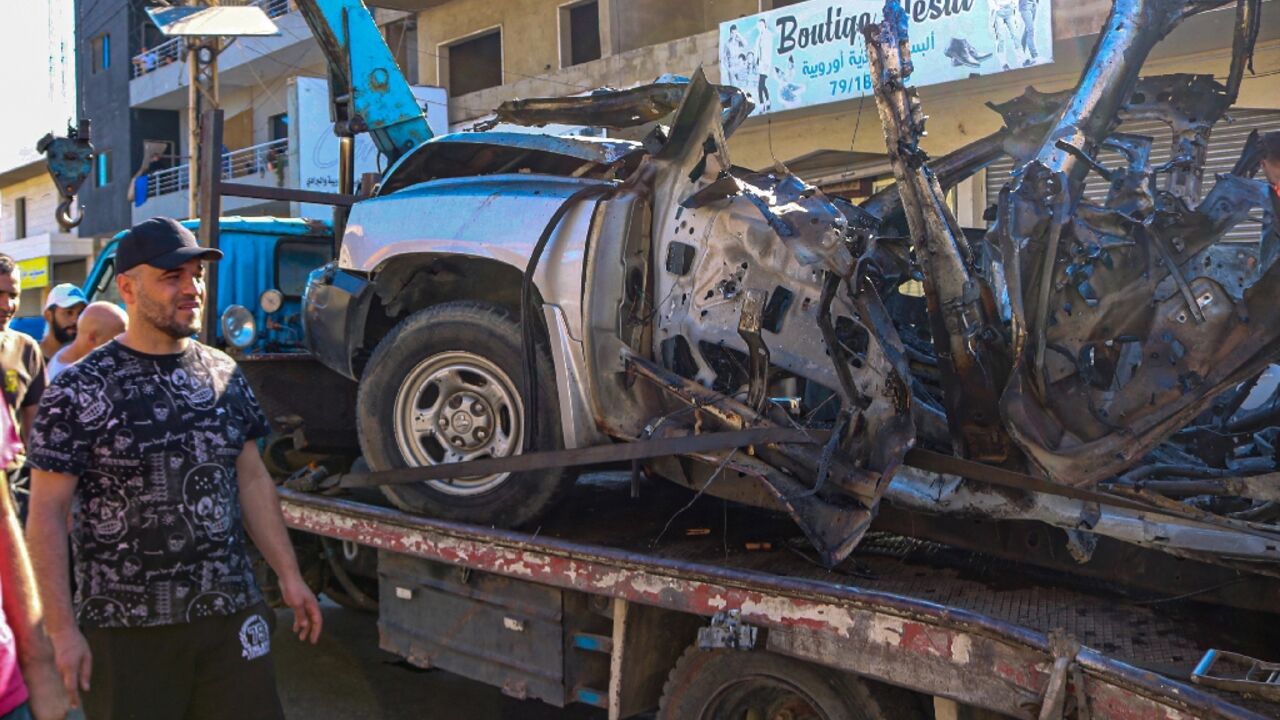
254, 160
175, 50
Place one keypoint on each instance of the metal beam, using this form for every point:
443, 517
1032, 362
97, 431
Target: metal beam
913, 643
264, 192
690, 444
208, 178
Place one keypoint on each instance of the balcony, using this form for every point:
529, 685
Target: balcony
175, 50
159, 75
261, 164
57, 246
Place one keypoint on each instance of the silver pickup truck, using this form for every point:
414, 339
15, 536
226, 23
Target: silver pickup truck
503, 293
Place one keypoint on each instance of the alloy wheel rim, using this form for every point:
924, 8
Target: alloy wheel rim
457, 406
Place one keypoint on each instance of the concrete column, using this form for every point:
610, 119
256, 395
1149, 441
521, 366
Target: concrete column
606, 28
971, 200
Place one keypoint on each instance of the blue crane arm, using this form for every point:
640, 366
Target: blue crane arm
369, 92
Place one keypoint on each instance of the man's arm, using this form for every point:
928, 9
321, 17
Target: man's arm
47, 530
25, 422
36, 386
262, 519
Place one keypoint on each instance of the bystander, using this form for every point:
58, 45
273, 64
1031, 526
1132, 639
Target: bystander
99, 323
29, 683
61, 313
150, 444
20, 358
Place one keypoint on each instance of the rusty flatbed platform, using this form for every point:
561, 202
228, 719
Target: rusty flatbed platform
907, 612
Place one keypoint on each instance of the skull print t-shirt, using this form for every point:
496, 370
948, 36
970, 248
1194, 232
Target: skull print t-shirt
156, 529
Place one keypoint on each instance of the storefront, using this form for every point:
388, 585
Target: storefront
836, 142
41, 272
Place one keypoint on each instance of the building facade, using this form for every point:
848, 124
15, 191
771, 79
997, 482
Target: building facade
30, 234
107, 34
488, 51
133, 87
483, 52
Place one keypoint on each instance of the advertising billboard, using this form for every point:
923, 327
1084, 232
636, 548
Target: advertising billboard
814, 52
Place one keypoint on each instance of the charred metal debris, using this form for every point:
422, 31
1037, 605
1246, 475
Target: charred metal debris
1121, 345
1092, 366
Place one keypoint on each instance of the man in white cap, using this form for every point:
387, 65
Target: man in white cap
61, 311
99, 323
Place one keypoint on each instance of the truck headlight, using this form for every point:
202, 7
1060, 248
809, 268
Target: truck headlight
271, 300
238, 327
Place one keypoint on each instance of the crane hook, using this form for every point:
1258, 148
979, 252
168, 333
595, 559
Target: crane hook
63, 214
70, 161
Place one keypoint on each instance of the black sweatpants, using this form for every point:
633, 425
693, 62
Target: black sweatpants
218, 667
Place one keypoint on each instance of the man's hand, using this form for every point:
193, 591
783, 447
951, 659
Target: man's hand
75, 662
263, 520
48, 697
307, 619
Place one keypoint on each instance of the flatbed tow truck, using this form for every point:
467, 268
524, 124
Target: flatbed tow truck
637, 606
720, 617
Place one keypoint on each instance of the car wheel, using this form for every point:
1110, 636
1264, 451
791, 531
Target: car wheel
724, 684
444, 387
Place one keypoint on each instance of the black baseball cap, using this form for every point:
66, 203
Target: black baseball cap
160, 242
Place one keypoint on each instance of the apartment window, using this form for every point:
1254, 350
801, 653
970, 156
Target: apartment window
475, 64
579, 33
100, 52
19, 218
102, 168
279, 125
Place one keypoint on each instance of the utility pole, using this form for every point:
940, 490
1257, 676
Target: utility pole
202, 96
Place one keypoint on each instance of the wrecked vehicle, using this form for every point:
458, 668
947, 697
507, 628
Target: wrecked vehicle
507, 295
653, 269
1135, 332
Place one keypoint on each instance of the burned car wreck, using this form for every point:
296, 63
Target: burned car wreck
1131, 332
1082, 365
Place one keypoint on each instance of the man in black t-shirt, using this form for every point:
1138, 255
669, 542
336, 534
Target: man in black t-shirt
149, 443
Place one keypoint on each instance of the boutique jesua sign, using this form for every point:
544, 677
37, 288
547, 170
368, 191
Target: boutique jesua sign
814, 52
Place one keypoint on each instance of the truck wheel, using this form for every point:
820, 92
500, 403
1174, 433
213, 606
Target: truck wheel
443, 387
725, 684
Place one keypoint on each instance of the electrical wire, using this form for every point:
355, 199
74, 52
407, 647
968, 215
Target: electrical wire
258, 78
1193, 593
857, 124
262, 54
701, 491
89, 11
543, 77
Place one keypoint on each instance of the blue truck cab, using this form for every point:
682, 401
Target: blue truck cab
261, 278
261, 254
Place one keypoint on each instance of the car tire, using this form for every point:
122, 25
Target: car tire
443, 386
719, 684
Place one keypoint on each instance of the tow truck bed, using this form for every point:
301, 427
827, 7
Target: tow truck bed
910, 613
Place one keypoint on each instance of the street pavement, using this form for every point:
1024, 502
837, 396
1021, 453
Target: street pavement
346, 676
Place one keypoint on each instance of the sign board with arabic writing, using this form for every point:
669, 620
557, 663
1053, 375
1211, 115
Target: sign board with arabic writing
314, 147
814, 52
